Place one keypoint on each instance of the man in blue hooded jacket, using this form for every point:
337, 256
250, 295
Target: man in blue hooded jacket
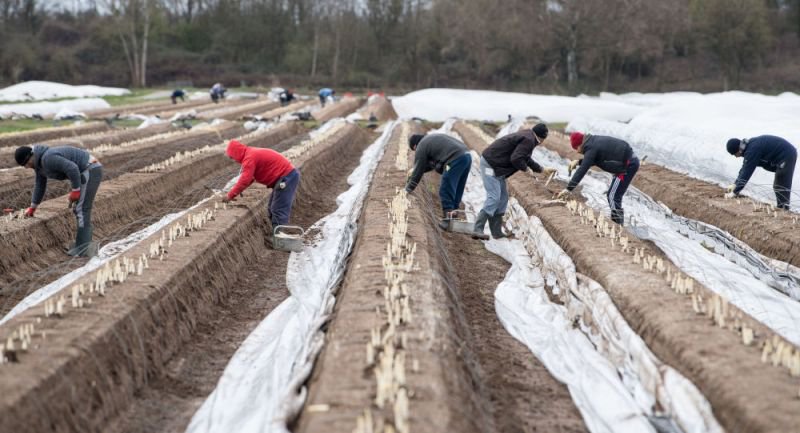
84, 173
770, 153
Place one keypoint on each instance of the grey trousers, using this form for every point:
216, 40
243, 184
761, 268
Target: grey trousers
496, 190
90, 182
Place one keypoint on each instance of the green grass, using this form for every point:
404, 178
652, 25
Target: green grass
24, 125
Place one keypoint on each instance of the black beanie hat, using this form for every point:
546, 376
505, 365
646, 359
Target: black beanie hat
733, 146
540, 130
414, 140
23, 154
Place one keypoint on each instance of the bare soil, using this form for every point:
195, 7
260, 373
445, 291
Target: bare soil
168, 402
488, 381
34, 247
16, 185
30, 137
746, 394
99, 353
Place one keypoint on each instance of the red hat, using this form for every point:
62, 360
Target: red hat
576, 139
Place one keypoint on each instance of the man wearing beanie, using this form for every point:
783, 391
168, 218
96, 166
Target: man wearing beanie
450, 158
609, 154
506, 156
269, 168
84, 173
770, 153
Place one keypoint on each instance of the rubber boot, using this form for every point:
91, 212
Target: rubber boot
83, 243
618, 216
480, 223
496, 226
444, 223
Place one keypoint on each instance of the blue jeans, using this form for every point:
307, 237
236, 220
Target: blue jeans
454, 179
496, 191
280, 202
620, 183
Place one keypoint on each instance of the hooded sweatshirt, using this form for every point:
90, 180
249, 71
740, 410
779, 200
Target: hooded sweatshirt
608, 153
62, 162
264, 166
766, 151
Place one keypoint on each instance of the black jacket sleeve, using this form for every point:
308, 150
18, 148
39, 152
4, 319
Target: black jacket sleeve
587, 162
521, 156
420, 164
748, 168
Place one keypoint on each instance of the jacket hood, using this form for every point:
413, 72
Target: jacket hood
236, 151
38, 151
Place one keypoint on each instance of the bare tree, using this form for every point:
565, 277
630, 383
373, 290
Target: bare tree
133, 20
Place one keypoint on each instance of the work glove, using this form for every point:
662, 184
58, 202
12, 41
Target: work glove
572, 165
74, 195
731, 195
228, 198
731, 187
29, 212
563, 194
547, 171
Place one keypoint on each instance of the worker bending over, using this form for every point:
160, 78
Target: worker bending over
84, 173
269, 168
447, 156
770, 153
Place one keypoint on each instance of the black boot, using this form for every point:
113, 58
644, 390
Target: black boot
444, 223
496, 226
480, 223
618, 216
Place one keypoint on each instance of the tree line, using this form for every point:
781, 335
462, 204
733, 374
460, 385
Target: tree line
549, 46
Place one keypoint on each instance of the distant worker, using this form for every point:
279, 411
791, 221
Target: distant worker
450, 158
771, 153
506, 156
324, 94
609, 154
286, 97
217, 92
178, 93
84, 173
269, 168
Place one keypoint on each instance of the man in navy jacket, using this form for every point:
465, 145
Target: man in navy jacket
770, 153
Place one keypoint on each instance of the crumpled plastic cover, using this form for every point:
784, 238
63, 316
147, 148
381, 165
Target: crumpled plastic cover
261, 389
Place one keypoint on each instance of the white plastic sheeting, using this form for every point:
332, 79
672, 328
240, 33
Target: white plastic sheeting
687, 132
108, 252
48, 109
38, 90
733, 282
615, 380
261, 388
440, 104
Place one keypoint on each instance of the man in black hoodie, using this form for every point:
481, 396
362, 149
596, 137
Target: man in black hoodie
84, 173
612, 155
770, 153
506, 156
447, 156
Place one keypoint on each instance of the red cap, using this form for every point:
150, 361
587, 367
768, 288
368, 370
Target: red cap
576, 139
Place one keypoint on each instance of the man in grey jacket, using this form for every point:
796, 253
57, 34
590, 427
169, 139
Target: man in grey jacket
449, 157
84, 173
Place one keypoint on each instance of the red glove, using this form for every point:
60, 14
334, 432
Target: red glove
29, 211
74, 195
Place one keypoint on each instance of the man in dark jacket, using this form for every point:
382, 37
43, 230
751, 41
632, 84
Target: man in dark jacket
178, 93
450, 158
84, 173
506, 156
609, 154
770, 153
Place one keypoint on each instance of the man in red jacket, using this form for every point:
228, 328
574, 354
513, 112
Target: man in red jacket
269, 168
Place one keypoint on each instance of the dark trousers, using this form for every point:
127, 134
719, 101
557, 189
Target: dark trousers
454, 179
783, 181
282, 197
322, 99
619, 185
90, 182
